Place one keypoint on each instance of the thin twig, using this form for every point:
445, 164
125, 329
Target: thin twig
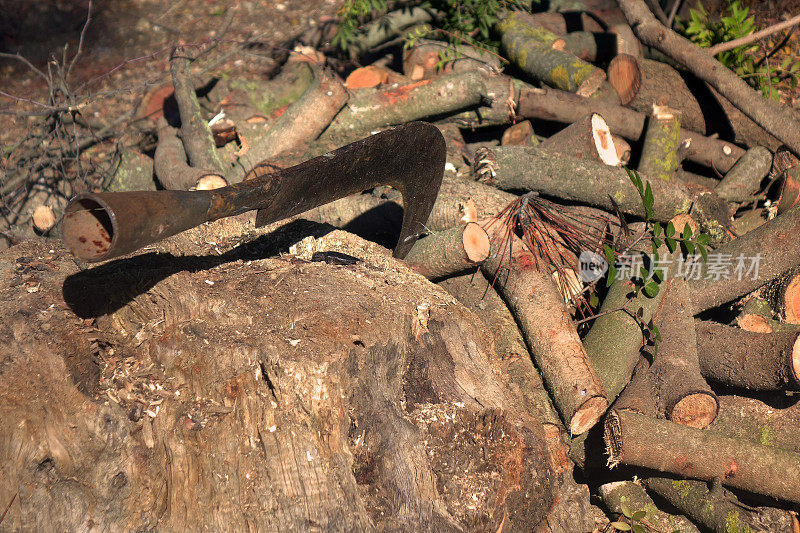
2, 516
747, 39
674, 11
80, 40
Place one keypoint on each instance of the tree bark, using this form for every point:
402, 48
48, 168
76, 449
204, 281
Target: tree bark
755, 361
170, 164
548, 329
743, 181
682, 394
619, 495
197, 139
640, 440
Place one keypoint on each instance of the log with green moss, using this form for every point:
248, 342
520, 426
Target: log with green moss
665, 446
717, 509
626, 496
660, 157
530, 47
753, 420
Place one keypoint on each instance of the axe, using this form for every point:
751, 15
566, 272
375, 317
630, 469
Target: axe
101, 226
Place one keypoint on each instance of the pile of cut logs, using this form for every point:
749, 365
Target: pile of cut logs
535, 177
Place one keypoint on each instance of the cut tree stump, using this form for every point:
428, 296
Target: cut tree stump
206, 384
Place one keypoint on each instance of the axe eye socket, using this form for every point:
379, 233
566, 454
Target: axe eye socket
88, 229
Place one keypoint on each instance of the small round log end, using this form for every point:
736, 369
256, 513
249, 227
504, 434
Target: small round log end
476, 243
696, 410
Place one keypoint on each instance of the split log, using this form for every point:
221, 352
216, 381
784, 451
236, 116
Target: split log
718, 509
532, 168
534, 299
149, 387
749, 221
742, 181
775, 118
449, 252
665, 446
170, 164
628, 495
560, 106
682, 395
773, 245
530, 48
372, 76
661, 156
198, 141
424, 60
783, 295
750, 419
755, 361
588, 138
701, 108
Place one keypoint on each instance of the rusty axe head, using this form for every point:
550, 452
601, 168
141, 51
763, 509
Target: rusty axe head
100, 226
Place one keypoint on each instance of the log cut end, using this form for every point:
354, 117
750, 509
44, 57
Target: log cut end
791, 301
476, 243
587, 415
696, 410
625, 76
795, 366
604, 141
209, 182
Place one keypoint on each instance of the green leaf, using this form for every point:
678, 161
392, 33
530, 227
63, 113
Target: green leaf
687, 231
671, 244
657, 230
612, 274
651, 289
703, 252
670, 230
648, 201
626, 511
594, 300
638, 515
608, 251
689, 247
638, 528
621, 526
703, 239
